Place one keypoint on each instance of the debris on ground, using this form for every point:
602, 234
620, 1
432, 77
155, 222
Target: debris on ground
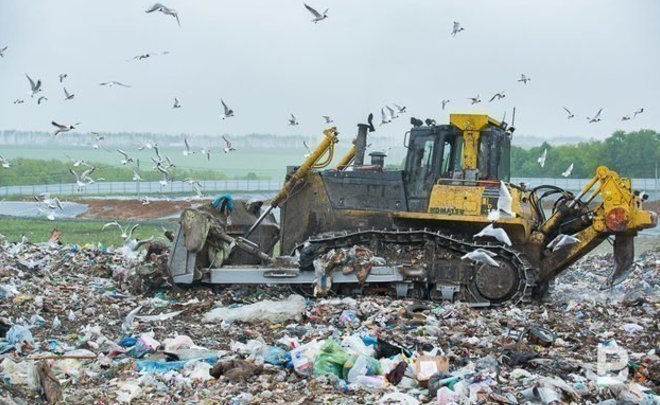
83, 324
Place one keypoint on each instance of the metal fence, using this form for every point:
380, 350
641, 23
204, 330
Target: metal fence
649, 185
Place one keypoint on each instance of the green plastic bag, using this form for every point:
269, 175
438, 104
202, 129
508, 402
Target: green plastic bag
331, 359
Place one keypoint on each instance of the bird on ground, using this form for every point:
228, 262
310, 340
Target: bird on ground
34, 87
41, 98
127, 159
481, 256
327, 119
317, 16
4, 162
400, 110
67, 95
568, 171
126, 232
636, 113
625, 118
19, 101
444, 103
228, 148
136, 176
596, 117
541, 158
456, 29
176, 103
524, 78
293, 121
145, 200
50, 202
562, 240
385, 119
165, 10
50, 214
475, 100
83, 179
430, 122
393, 114
187, 151
497, 233
62, 76
228, 112
498, 96
63, 128
2, 51
570, 114
113, 83
504, 204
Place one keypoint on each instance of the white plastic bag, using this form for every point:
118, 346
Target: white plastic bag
274, 311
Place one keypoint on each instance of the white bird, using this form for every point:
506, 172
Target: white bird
187, 151
136, 176
293, 121
562, 240
147, 145
176, 103
317, 16
165, 10
456, 29
2, 51
62, 76
196, 185
636, 113
444, 103
62, 128
163, 182
83, 179
541, 158
475, 100
40, 99
126, 232
400, 110
327, 119
570, 114
127, 159
504, 204
385, 119
498, 96
67, 95
497, 233
207, 152
228, 148
75, 162
34, 87
309, 150
481, 256
145, 200
524, 79
50, 215
4, 162
568, 171
393, 114
228, 111
596, 117
113, 83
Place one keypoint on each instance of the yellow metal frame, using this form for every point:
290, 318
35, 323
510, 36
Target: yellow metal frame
471, 125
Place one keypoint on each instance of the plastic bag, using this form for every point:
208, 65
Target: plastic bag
331, 359
348, 318
303, 357
277, 356
274, 311
356, 346
361, 365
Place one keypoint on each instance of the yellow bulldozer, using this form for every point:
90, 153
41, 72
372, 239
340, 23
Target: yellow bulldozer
355, 226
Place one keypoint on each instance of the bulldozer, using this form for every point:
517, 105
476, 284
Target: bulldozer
356, 227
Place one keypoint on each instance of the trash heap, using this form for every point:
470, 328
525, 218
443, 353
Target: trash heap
83, 325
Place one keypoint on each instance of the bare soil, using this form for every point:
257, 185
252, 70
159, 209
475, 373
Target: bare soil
134, 209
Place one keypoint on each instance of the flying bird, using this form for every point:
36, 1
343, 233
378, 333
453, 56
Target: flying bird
34, 87
41, 98
400, 110
309, 150
76, 163
4, 162
187, 151
113, 83
165, 10
83, 179
497, 233
596, 117
228, 111
317, 16
136, 176
67, 95
504, 204
176, 103
636, 113
327, 119
2, 52
228, 148
19, 101
562, 240
127, 159
126, 232
62, 128
393, 114
481, 256
625, 118
456, 29
293, 121
541, 158
62, 76
570, 114
444, 103
140, 57
568, 171
498, 96
196, 185
475, 100
385, 119
207, 152
524, 78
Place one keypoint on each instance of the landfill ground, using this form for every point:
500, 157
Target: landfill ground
83, 325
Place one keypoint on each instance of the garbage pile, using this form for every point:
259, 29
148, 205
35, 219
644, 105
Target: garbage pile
76, 326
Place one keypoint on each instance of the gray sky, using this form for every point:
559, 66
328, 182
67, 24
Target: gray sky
267, 59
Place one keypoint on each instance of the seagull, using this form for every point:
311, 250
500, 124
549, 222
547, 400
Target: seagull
62, 76
51, 203
504, 204
34, 87
524, 79
207, 152
145, 200
498, 96
165, 179
127, 159
393, 114
568, 171
596, 117
68, 96
19, 101
327, 119
430, 122
126, 232
188, 151
169, 162
293, 121
147, 145
457, 28
317, 16
140, 57
562, 240
570, 114
113, 83
4, 162
497, 233
481, 256
195, 185
42, 98
636, 113
176, 103
2, 52
444, 103
83, 179
228, 111
625, 118
541, 158
228, 148
165, 10
75, 162
475, 100
385, 119
309, 150
63, 128
136, 176
50, 215
400, 110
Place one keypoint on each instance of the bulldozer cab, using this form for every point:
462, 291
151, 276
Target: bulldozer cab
473, 148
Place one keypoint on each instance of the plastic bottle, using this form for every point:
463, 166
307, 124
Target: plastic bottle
358, 369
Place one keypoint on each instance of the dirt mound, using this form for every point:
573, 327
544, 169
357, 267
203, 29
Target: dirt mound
135, 209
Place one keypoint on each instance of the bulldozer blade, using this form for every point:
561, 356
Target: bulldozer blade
624, 253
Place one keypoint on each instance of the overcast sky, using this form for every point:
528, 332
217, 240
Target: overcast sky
267, 59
